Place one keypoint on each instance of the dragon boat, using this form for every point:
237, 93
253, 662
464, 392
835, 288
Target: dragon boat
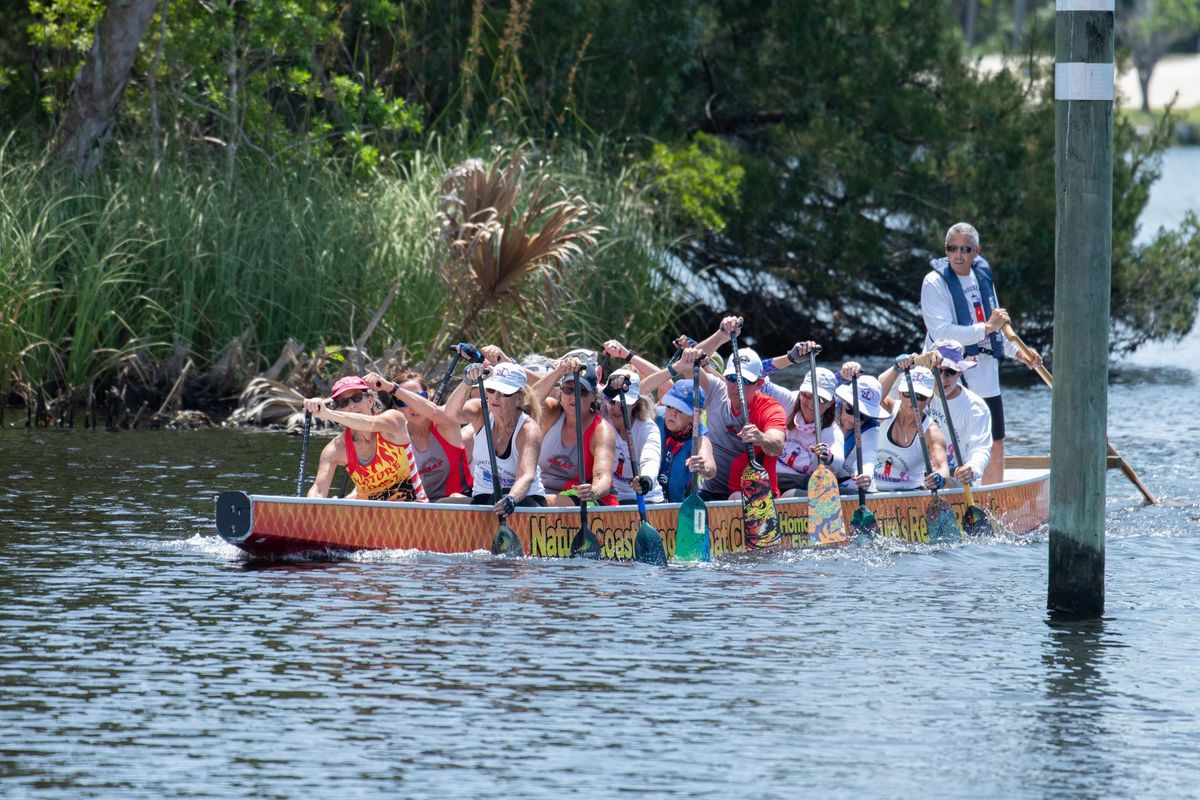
273, 525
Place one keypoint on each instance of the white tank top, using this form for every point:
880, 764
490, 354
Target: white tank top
481, 466
898, 467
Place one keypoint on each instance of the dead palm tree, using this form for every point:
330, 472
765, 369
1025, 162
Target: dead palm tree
504, 243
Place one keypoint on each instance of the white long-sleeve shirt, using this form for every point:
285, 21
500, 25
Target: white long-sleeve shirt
937, 307
796, 459
973, 425
648, 443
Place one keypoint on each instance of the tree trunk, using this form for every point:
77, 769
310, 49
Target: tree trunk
969, 23
1144, 82
97, 90
1020, 9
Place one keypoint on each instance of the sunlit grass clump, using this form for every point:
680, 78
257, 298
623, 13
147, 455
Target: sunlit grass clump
174, 263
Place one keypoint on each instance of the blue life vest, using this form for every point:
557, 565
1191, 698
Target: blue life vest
962, 311
673, 473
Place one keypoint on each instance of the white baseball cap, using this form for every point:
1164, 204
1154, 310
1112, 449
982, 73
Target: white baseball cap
751, 365
507, 378
632, 393
826, 384
870, 392
922, 380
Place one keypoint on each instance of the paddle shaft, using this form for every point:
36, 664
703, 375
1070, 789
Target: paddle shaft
816, 396
633, 459
579, 443
912, 399
858, 454
694, 479
1041, 370
441, 392
958, 453
303, 454
744, 417
491, 446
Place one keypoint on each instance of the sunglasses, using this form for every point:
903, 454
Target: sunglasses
965, 248
569, 388
734, 379
948, 372
345, 400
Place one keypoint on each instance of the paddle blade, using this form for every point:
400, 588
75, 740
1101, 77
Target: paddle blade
939, 518
759, 519
506, 543
976, 522
691, 533
648, 546
863, 523
826, 525
585, 544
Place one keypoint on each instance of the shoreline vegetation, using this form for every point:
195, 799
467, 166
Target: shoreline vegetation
271, 196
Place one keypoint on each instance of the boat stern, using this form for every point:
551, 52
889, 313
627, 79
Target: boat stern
234, 521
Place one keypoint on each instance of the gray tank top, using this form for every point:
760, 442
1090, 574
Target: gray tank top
559, 463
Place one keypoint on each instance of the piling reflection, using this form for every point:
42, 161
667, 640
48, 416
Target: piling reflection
1074, 721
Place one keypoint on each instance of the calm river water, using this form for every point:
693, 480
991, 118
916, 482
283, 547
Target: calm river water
140, 657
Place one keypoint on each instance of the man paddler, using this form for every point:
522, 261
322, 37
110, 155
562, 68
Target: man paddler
959, 302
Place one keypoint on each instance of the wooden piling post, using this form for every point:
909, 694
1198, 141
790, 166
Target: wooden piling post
1083, 103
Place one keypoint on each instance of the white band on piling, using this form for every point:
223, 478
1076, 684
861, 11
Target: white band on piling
1085, 5
1079, 81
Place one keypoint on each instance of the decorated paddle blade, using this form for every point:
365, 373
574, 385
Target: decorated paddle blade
863, 523
585, 544
826, 525
691, 532
976, 522
506, 543
648, 546
758, 509
939, 518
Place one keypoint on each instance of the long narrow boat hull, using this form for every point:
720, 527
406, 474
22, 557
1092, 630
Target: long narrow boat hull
269, 525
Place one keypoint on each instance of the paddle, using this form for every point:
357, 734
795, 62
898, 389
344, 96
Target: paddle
505, 542
975, 520
647, 544
759, 519
585, 544
939, 517
1112, 451
826, 525
863, 522
303, 454
691, 530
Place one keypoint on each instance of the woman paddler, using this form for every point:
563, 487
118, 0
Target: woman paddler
516, 435
675, 425
560, 458
375, 447
436, 438
899, 463
637, 472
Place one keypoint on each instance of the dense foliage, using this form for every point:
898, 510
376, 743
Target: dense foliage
792, 160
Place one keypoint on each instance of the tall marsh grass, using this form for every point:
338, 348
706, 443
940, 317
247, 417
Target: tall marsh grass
132, 261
